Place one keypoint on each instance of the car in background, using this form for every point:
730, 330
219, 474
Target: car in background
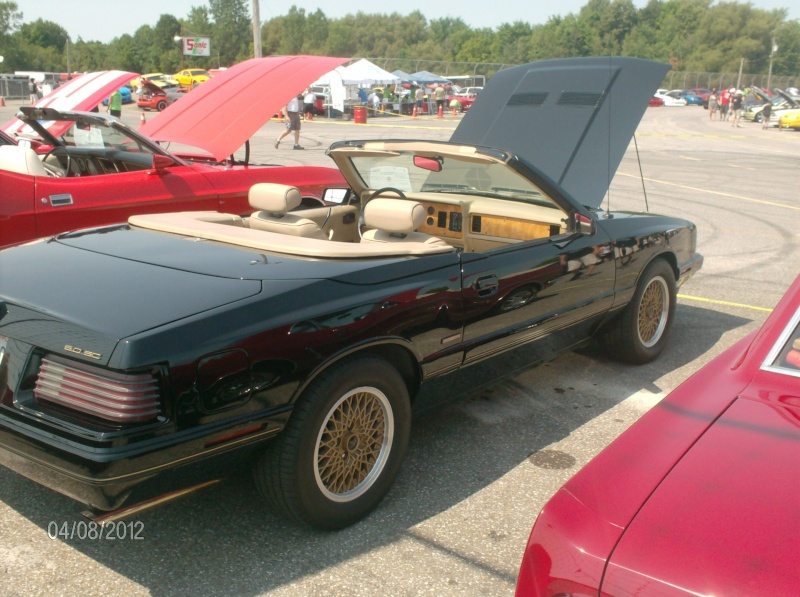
789, 120
699, 497
189, 77
125, 92
159, 79
780, 101
98, 170
671, 98
141, 354
790, 104
655, 102
465, 98
156, 98
704, 94
692, 99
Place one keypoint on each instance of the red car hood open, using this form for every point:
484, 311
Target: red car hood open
725, 519
220, 115
78, 95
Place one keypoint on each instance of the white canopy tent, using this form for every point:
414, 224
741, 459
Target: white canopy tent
362, 73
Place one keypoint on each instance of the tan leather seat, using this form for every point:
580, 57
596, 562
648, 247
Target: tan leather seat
22, 160
274, 202
396, 220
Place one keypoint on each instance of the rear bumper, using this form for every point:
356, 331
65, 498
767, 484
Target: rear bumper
107, 479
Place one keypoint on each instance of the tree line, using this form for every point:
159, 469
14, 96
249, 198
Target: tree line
692, 35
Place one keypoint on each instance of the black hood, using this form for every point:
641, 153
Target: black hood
572, 119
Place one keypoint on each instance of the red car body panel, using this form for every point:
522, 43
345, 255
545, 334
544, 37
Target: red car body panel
225, 113
698, 497
78, 95
113, 198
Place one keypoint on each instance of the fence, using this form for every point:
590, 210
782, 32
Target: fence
14, 88
674, 79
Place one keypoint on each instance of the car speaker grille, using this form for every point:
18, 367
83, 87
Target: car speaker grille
122, 398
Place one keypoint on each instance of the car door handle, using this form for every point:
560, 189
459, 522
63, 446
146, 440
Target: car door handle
487, 285
60, 199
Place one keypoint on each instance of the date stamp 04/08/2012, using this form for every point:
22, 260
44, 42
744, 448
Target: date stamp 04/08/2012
86, 530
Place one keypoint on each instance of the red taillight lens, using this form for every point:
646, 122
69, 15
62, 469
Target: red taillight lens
111, 396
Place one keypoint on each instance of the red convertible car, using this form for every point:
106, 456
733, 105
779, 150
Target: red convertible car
100, 171
699, 497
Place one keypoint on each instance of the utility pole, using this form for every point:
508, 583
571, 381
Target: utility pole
256, 30
739, 80
771, 57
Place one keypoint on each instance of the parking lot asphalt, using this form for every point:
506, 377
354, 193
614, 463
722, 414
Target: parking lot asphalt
478, 471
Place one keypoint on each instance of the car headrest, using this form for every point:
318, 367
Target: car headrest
274, 198
394, 215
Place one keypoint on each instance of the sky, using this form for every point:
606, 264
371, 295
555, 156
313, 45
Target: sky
103, 20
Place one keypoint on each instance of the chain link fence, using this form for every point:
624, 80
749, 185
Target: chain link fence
674, 79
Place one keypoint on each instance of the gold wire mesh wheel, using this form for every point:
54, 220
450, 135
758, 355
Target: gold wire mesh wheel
653, 312
354, 444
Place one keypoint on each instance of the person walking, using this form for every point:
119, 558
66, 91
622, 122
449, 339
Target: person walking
766, 112
724, 103
736, 107
438, 95
713, 104
291, 116
309, 102
115, 104
33, 91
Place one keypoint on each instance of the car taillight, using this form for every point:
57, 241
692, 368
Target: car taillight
122, 398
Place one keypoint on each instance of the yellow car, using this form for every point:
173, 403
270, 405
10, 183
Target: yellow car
789, 120
189, 77
159, 79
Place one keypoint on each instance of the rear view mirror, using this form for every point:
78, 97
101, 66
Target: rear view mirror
432, 164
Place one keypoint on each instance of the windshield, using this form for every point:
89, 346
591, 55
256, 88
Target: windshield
447, 174
100, 136
785, 355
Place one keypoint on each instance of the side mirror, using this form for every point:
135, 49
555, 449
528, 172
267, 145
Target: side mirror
584, 224
160, 162
337, 196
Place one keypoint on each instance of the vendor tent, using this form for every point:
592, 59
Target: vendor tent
362, 72
424, 77
403, 76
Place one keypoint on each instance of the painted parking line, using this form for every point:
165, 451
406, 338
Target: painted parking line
723, 303
720, 193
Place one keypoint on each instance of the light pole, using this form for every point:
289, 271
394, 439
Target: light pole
179, 39
771, 57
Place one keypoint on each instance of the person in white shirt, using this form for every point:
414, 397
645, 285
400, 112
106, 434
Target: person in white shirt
291, 116
309, 103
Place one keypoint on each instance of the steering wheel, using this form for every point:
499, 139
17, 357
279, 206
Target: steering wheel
372, 196
383, 190
53, 152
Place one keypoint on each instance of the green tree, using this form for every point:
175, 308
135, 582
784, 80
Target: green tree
232, 32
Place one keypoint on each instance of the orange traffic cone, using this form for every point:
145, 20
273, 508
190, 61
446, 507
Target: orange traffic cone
414, 112
143, 119
2, 102
441, 112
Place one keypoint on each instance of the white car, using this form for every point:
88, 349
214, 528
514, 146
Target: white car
670, 98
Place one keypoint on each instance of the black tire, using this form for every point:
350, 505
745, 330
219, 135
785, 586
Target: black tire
759, 117
640, 333
161, 105
328, 469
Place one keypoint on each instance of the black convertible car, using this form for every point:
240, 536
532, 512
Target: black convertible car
142, 358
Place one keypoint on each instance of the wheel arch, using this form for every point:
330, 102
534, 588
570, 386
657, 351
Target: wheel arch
398, 352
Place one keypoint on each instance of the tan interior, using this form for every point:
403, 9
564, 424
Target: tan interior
22, 160
420, 224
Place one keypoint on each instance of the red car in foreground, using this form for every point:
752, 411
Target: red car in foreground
699, 497
99, 171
